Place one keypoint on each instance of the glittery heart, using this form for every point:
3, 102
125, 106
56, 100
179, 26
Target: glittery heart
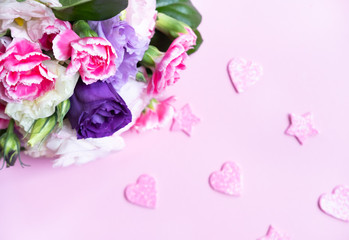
336, 204
227, 180
143, 193
244, 73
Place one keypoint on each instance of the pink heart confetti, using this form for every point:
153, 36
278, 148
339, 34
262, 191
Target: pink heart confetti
336, 204
228, 180
273, 234
184, 120
302, 127
143, 193
244, 73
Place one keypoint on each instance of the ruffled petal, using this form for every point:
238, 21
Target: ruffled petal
61, 45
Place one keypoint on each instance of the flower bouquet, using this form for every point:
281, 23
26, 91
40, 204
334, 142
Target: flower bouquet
76, 74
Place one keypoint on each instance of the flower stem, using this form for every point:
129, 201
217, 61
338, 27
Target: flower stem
11, 126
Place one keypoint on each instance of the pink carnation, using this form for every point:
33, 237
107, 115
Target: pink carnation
167, 70
22, 74
188, 39
94, 58
44, 30
156, 115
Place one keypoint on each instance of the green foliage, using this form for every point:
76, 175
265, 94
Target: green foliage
182, 10
97, 10
71, 3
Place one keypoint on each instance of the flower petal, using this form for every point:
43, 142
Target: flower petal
61, 45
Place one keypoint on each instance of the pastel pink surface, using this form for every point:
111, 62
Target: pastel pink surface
336, 204
228, 180
302, 127
303, 46
273, 234
142, 193
244, 73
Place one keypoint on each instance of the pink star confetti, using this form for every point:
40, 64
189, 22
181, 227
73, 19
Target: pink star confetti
273, 234
142, 193
184, 120
228, 180
244, 73
336, 204
302, 127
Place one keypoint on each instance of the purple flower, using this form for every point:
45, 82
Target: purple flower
128, 47
97, 110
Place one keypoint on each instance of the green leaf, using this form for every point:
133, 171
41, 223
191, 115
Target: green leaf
162, 3
95, 10
199, 41
71, 3
182, 10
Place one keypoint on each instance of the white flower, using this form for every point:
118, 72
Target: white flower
141, 15
26, 112
14, 15
69, 150
134, 94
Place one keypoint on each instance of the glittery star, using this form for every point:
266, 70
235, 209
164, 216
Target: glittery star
273, 234
302, 127
184, 120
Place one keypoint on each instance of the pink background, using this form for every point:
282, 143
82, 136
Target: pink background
303, 47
